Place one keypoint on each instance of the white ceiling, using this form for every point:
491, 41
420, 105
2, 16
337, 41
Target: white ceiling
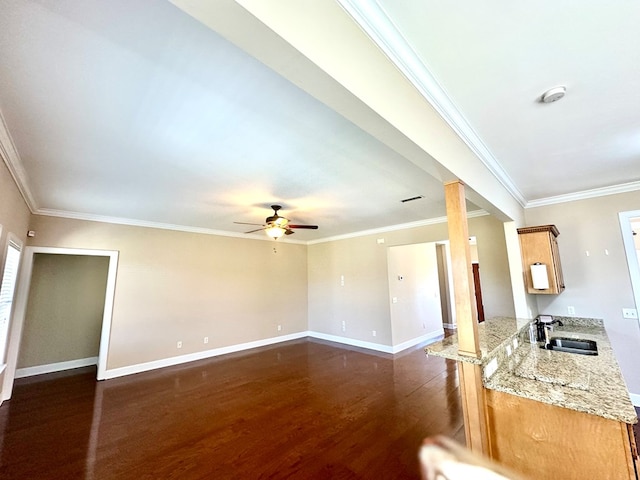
133, 111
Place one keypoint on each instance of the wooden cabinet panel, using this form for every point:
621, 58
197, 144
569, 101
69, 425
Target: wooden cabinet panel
547, 442
540, 245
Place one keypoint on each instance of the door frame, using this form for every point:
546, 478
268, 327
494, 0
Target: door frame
630, 250
20, 307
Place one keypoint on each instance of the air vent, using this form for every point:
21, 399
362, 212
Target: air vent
412, 199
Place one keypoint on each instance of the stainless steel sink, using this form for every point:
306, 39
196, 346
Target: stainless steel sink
572, 345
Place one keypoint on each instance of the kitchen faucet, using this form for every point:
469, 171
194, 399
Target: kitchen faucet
548, 327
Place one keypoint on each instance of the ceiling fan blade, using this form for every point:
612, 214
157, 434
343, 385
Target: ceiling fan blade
310, 227
256, 230
245, 223
289, 232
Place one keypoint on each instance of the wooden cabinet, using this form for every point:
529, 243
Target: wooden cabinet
547, 442
539, 245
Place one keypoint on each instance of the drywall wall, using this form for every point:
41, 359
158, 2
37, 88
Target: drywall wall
415, 292
597, 284
65, 307
362, 303
176, 286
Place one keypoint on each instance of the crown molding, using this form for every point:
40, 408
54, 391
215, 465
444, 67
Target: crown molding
223, 233
9, 154
393, 228
162, 226
377, 24
585, 194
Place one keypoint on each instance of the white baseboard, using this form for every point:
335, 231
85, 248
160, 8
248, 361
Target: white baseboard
352, 341
428, 337
55, 367
450, 325
169, 362
635, 399
431, 336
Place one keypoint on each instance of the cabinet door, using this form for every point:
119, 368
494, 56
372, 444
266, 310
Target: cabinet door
539, 245
547, 442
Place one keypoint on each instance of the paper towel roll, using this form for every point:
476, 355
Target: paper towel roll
539, 276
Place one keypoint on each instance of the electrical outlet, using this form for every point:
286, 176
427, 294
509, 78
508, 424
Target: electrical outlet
374, 333
630, 313
279, 328
571, 310
491, 368
179, 344
344, 326
206, 340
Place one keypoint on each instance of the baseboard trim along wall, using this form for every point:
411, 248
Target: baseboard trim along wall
191, 357
55, 367
169, 362
635, 399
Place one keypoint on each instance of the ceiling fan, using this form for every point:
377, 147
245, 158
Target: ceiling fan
276, 225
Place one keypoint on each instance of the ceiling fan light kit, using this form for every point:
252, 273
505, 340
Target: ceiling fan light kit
274, 231
276, 225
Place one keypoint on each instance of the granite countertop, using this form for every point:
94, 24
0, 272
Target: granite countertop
590, 384
492, 334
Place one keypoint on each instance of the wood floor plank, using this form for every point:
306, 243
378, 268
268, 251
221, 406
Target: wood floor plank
301, 409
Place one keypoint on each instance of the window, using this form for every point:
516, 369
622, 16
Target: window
7, 290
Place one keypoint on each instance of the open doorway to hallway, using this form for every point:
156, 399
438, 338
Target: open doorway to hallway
25, 305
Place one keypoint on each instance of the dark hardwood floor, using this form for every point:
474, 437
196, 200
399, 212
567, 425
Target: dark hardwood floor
304, 409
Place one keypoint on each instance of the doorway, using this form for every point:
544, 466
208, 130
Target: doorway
630, 228
22, 300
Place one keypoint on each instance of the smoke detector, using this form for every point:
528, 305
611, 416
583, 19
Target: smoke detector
553, 94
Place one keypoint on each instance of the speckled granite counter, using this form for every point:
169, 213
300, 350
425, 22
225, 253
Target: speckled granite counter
591, 384
492, 335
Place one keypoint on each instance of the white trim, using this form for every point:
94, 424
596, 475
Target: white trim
377, 24
635, 399
392, 228
450, 325
630, 250
585, 194
55, 367
9, 154
223, 233
430, 337
352, 341
22, 294
162, 226
190, 357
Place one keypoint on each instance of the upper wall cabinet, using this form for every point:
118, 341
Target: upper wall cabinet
541, 260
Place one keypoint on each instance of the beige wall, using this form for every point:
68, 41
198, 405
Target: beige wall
597, 285
175, 286
363, 301
14, 216
65, 308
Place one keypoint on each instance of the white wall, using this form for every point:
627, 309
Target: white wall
414, 285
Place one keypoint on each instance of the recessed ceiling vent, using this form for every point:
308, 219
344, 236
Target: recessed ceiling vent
412, 199
553, 94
